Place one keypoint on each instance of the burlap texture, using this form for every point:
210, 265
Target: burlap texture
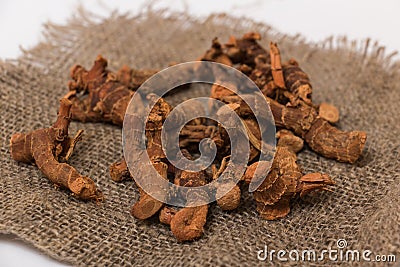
363, 209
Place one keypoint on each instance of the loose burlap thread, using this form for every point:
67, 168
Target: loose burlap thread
364, 207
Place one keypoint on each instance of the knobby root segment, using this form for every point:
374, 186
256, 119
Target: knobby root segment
119, 171
166, 214
48, 147
188, 223
284, 180
229, 200
320, 135
245, 50
147, 206
227, 193
106, 95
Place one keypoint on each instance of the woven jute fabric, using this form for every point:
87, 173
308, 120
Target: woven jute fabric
363, 209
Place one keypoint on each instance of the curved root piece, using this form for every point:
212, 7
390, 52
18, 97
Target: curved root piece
333, 143
146, 207
166, 214
230, 200
273, 196
291, 141
318, 133
119, 171
45, 148
314, 182
244, 50
297, 83
215, 54
84, 80
188, 223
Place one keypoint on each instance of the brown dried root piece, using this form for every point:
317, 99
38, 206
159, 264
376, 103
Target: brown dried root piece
261, 75
284, 179
188, 223
166, 214
194, 133
147, 206
119, 171
46, 147
108, 94
216, 54
312, 182
134, 78
244, 50
297, 82
276, 66
107, 98
218, 91
231, 199
251, 127
319, 134
328, 112
290, 77
190, 137
282, 82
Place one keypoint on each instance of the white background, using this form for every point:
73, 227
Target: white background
21, 24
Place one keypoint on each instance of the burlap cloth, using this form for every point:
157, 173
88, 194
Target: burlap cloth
364, 208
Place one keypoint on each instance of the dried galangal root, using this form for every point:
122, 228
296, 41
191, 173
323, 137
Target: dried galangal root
49, 148
284, 179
